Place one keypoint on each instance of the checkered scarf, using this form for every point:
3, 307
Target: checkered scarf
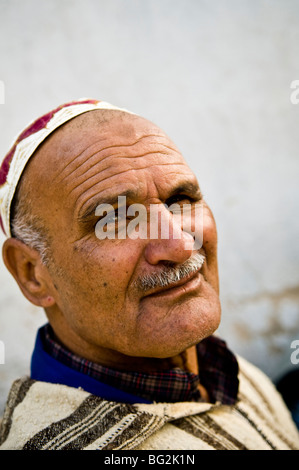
217, 365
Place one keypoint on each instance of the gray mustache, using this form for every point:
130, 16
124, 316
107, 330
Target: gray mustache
171, 274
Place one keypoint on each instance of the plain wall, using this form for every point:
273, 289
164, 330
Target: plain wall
216, 76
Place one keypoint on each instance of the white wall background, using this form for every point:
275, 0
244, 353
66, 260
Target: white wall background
215, 75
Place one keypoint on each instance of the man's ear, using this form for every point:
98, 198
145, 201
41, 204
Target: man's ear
32, 276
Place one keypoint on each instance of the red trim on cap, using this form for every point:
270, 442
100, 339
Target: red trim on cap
1, 225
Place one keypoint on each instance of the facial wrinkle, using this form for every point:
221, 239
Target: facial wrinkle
116, 174
75, 158
92, 167
120, 154
123, 145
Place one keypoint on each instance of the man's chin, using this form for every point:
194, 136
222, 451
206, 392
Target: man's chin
182, 326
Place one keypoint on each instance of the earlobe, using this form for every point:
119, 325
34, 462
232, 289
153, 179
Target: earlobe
25, 265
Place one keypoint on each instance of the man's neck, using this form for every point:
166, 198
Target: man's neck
186, 360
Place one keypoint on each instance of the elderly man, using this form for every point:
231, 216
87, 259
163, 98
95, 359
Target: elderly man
127, 359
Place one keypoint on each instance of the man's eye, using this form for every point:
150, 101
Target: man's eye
110, 224
112, 219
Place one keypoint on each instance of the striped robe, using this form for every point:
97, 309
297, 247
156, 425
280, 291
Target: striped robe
42, 416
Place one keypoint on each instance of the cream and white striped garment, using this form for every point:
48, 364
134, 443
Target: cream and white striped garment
41, 416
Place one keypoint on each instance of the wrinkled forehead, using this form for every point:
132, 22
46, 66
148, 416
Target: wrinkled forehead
97, 150
100, 137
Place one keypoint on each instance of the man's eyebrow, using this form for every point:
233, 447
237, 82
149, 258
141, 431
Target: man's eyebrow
188, 188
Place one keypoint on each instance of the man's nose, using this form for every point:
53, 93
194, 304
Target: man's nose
170, 242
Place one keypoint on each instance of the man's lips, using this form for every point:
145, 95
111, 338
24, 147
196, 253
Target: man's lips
177, 287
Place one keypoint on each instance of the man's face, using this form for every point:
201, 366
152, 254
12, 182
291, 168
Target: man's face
99, 303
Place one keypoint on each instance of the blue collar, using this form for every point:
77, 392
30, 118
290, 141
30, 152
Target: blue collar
45, 368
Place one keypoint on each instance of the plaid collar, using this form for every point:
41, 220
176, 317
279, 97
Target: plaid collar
217, 365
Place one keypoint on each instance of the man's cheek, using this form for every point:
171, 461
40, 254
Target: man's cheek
209, 231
